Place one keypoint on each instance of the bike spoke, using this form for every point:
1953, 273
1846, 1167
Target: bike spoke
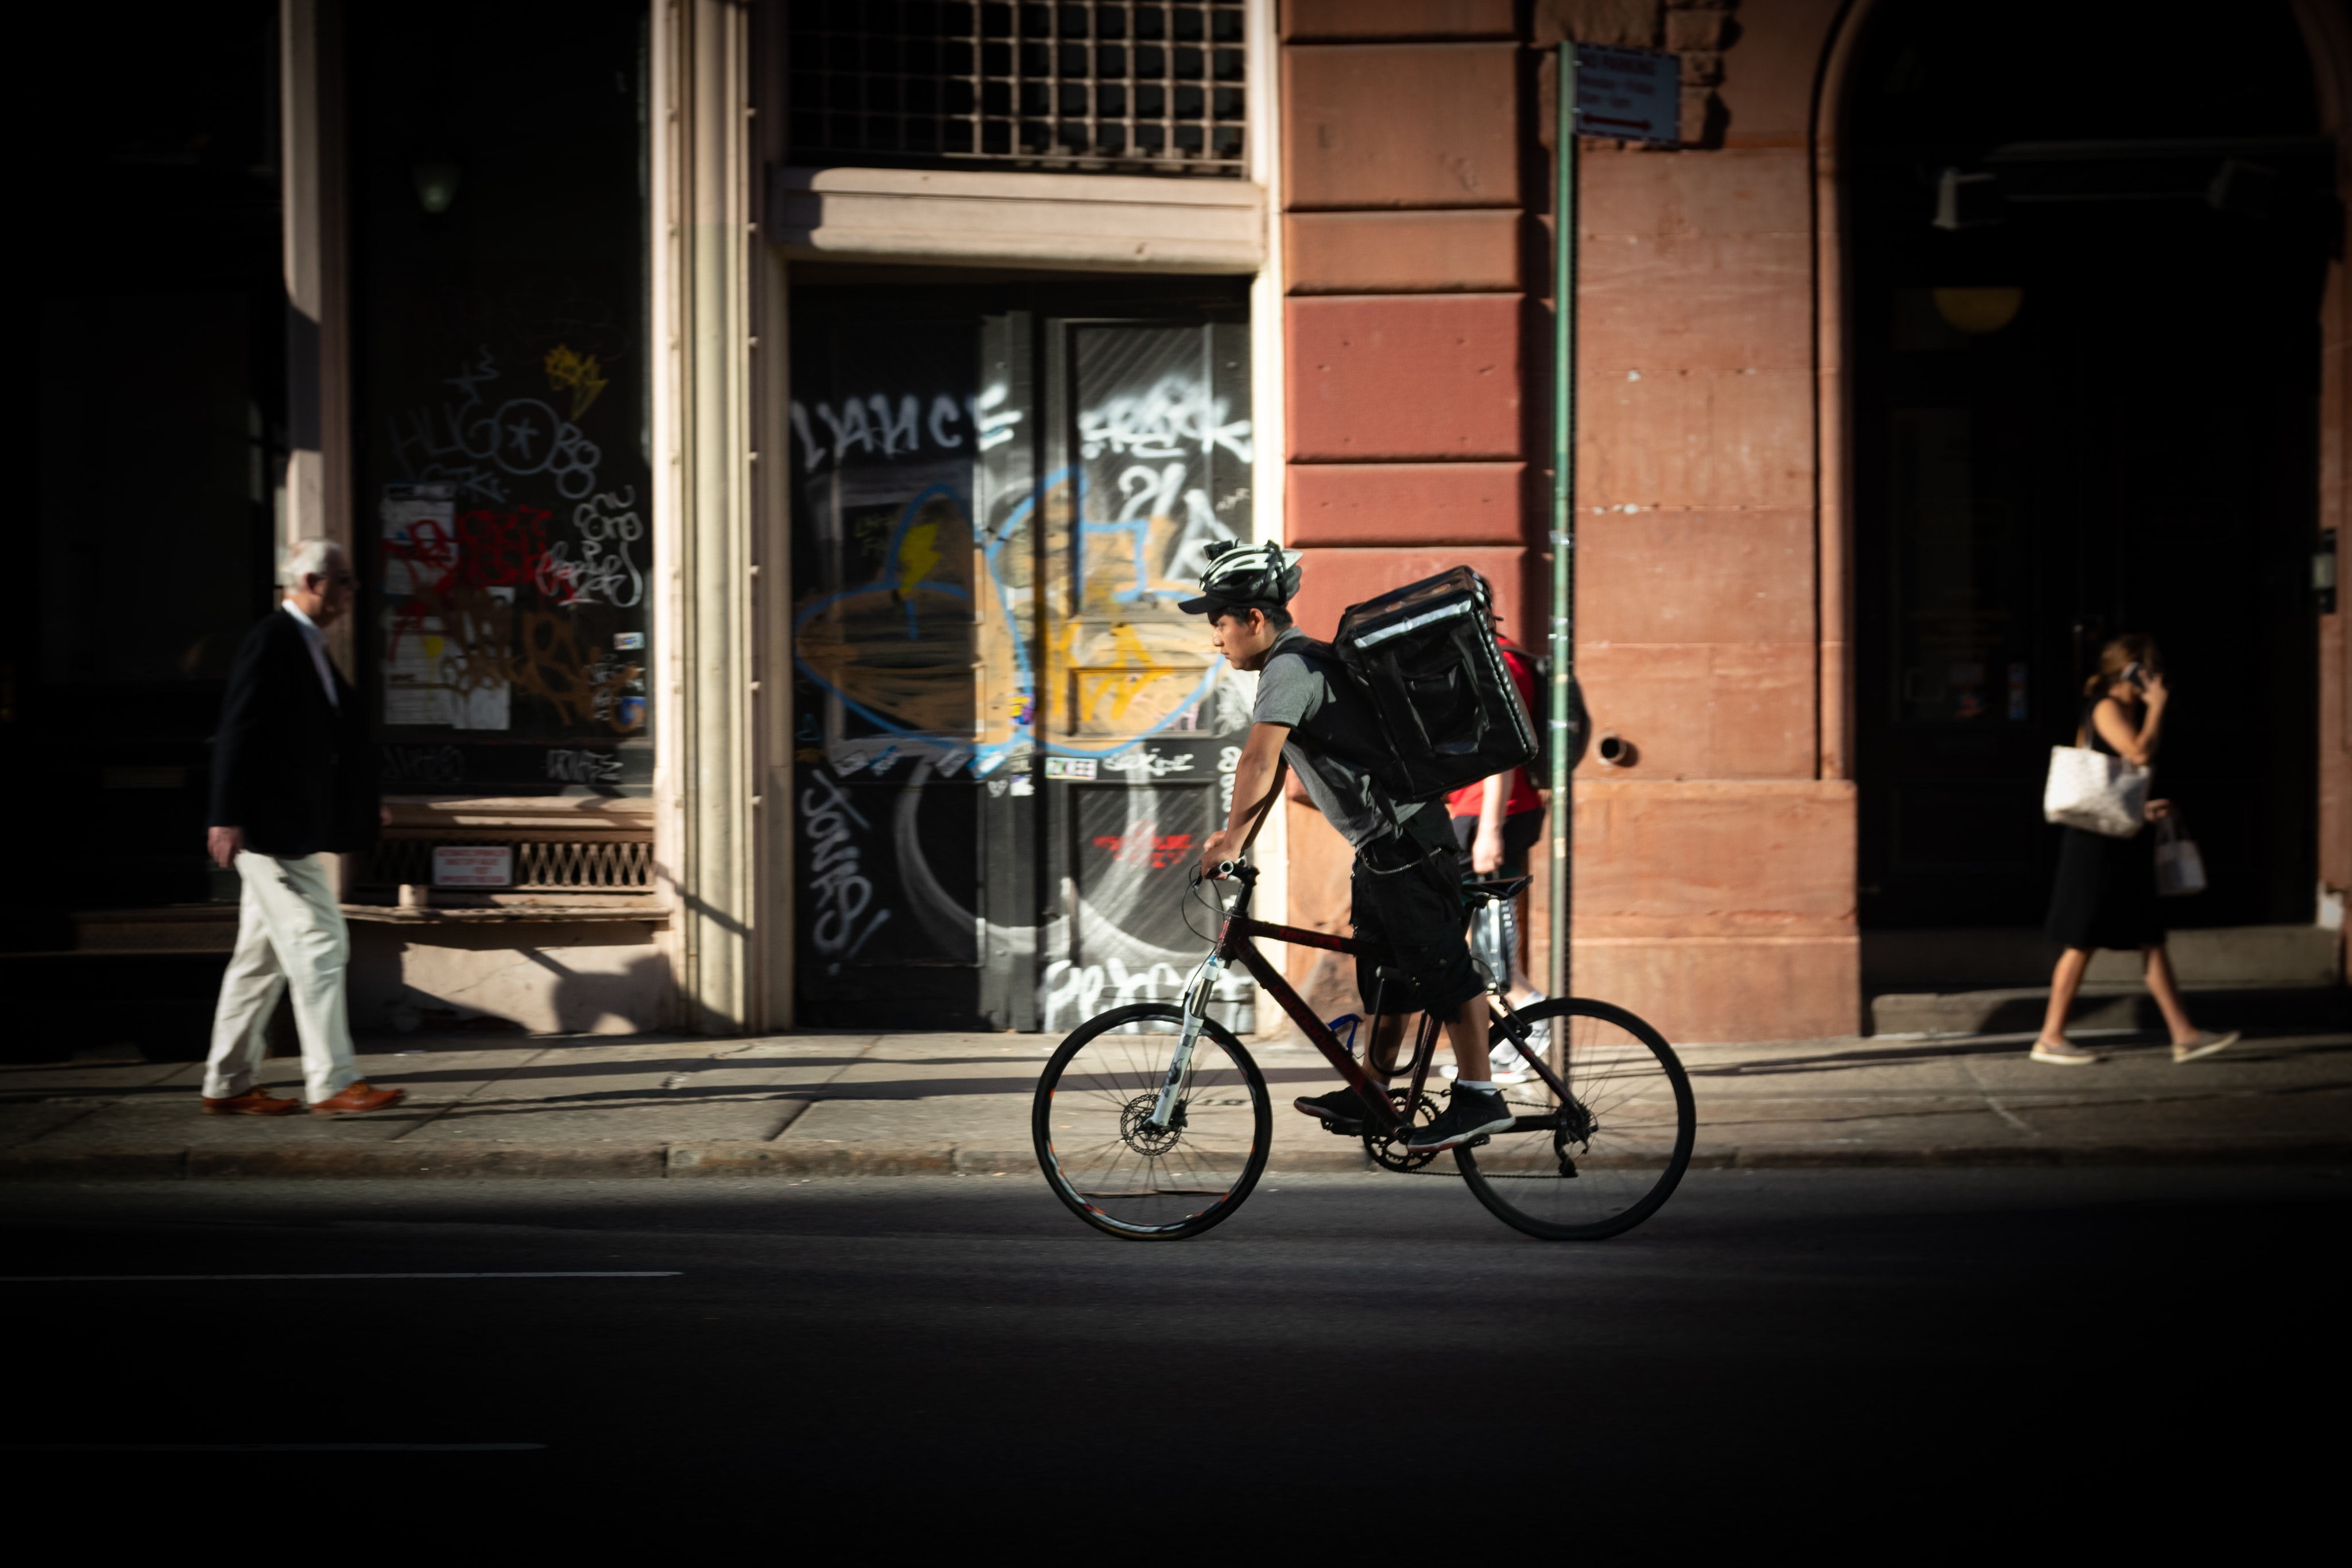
1103, 1154
1618, 1142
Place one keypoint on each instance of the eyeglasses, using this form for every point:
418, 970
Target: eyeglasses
338, 579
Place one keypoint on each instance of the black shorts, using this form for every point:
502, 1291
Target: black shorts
1407, 891
1520, 835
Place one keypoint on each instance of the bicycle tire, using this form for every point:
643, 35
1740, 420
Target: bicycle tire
1094, 1107
1630, 1097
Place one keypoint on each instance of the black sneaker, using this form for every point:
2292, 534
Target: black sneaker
1472, 1112
1342, 1111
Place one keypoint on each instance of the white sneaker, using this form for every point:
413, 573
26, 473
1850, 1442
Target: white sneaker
1517, 1071
2205, 1044
1539, 1032
2066, 1053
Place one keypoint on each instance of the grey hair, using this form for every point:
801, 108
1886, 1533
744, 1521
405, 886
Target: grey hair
306, 557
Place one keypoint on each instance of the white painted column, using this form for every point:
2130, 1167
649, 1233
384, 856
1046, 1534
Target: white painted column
705, 838
316, 501
1269, 406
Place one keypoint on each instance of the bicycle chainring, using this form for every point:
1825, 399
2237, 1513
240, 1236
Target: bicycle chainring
1388, 1153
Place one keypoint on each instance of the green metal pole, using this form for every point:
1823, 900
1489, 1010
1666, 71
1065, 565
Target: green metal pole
1563, 515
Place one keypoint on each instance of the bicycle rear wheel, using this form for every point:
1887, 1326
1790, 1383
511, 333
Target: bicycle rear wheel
1602, 1163
1112, 1169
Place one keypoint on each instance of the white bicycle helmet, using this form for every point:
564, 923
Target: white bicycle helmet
1243, 576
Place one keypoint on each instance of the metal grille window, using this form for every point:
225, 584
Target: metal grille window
1111, 85
539, 867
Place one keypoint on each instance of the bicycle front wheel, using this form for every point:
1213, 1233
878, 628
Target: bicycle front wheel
1099, 1152
1603, 1161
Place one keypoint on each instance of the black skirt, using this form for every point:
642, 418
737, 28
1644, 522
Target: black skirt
2106, 892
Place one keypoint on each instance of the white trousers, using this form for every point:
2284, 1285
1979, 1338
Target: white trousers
290, 931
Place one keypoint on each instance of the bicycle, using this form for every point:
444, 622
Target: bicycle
1133, 1129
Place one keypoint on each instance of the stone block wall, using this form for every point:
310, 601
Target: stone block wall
1714, 878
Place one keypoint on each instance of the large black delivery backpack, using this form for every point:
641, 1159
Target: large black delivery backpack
1449, 712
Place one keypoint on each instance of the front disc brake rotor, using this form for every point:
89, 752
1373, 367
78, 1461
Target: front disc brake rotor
1137, 1133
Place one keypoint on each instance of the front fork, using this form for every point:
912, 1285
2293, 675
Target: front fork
1197, 991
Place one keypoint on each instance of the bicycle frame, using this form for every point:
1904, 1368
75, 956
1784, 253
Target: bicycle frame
1234, 946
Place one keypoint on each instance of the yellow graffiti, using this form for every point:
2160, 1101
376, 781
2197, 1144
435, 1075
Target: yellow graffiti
918, 553
580, 373
1121, 685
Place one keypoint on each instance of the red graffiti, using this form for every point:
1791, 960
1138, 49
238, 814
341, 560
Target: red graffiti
447, 568
481, 549
1161, 850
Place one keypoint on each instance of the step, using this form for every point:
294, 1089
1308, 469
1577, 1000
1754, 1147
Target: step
2108, 1006
1964, 958
159, 1001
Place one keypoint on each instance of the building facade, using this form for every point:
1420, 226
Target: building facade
774, 436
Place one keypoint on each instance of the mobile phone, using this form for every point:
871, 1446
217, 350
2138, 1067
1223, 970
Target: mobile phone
2135, 676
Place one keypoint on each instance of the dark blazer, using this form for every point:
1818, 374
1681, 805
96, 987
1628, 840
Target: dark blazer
292, 770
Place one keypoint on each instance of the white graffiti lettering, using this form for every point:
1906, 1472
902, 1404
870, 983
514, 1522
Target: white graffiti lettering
1075, 992
1153, 764
843, 895
605, 573
1175, 414
882, 426
521, 437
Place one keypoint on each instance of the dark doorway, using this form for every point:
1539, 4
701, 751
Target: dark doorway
1010, 742
159, 443
2084, 317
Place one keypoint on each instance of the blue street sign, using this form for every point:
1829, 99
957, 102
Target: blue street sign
1633, 95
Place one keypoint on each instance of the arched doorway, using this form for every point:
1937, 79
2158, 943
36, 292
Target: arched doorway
2086, 270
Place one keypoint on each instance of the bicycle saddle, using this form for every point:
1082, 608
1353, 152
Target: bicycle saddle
1478, 889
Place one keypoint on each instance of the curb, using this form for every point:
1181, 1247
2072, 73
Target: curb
737, 1160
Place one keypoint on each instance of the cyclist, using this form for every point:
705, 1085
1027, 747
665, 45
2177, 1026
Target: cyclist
1406, 884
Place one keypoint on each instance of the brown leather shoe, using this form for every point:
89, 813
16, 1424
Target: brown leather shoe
254, 1101
358, 1097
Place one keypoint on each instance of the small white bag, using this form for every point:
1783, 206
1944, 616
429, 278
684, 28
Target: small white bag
2094, 791
2179, 869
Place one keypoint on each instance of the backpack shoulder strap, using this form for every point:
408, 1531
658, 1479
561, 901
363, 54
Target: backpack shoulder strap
1265, 808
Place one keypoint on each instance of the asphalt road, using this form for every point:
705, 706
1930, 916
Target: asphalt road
1906, 1337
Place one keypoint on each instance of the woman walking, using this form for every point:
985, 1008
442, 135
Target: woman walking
2106, 892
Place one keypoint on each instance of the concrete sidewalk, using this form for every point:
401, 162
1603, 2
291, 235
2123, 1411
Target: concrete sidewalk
820, 1104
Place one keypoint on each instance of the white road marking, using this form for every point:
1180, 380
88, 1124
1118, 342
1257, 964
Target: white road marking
265, 1447
150, 1278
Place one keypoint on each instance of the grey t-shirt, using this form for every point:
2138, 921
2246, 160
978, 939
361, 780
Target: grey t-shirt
1291, 690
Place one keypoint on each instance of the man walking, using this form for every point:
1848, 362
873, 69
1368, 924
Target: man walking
291, 785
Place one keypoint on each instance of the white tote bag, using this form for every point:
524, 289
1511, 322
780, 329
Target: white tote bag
2094, 791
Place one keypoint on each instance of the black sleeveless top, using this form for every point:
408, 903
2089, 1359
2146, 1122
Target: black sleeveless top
2104, 892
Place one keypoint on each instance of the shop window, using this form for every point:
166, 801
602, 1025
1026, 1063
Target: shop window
499, 311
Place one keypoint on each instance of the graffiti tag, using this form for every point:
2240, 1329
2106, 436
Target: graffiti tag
842, 894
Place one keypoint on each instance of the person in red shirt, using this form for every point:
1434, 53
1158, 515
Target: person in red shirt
1496, 821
